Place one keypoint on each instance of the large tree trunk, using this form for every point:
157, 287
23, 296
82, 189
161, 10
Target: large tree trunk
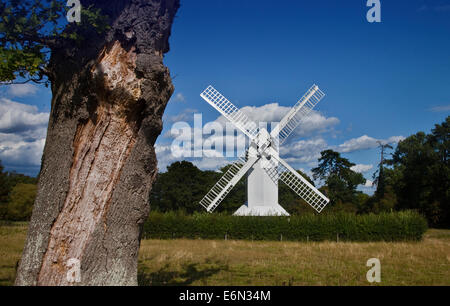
99, 163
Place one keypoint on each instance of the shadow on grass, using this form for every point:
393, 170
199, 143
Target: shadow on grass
190, 273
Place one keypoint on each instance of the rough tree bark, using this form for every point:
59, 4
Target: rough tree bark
99, 163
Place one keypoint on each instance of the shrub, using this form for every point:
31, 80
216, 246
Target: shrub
20, 203
394, 226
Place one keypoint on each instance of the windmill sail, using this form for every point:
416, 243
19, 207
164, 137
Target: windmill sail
220, 190
229, 111
300, 110
263, 154
297, 183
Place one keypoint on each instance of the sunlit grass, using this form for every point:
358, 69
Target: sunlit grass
12, 240
237, 262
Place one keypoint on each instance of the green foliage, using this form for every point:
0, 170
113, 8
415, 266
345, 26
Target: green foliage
398, 226
385, 203
21, 201
181, 187
30, 29
8, 184
4, 190
19, 21
340, 180
291, 201
379, 176
420, 176
184, 185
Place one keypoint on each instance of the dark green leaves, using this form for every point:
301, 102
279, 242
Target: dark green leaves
341, 181
398, 226
29, 30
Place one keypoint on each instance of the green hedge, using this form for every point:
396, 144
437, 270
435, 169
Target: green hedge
396, 226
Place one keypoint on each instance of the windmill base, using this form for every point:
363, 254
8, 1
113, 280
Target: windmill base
273, 210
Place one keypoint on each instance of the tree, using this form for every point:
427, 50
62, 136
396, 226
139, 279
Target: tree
341, 182
181, 187
8, 180
20, 202
3, 192
109, 91
237, 196
291, 201
184, 185
379, 177
422, 174
439, 139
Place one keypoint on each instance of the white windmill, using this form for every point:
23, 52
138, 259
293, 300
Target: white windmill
261, 160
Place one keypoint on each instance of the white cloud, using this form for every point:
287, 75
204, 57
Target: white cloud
185, 115
179, 97
303, 151
294, 151
368, 183
271, 112
22, 90
18, 117
165, 156
313, 124
23, 131
365, 142
17, 152
393, 139
361, 168
211, 163
442, 108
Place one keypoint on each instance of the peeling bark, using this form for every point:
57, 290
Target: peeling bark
99, 162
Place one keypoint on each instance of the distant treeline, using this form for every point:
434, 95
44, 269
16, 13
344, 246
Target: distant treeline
17, 194
395, 226
415, 175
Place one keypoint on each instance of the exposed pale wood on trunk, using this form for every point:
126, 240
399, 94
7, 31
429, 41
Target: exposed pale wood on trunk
99, 161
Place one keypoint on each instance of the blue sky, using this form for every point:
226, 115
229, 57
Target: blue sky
382, 80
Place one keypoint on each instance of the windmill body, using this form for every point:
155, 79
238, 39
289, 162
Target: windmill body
262, 190
261, 162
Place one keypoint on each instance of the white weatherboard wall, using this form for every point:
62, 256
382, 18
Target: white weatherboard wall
262, 194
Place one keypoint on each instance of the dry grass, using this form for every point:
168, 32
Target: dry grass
12, 239
214, 262
218, 262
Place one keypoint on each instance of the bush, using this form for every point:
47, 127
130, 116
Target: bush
20, 203
397, 226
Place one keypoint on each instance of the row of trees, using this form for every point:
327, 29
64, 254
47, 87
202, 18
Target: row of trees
17, 194
184, 185
415, 176
418, 176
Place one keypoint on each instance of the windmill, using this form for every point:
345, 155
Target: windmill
261, 160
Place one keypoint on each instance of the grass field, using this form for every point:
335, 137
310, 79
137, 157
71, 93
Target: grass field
219, 262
